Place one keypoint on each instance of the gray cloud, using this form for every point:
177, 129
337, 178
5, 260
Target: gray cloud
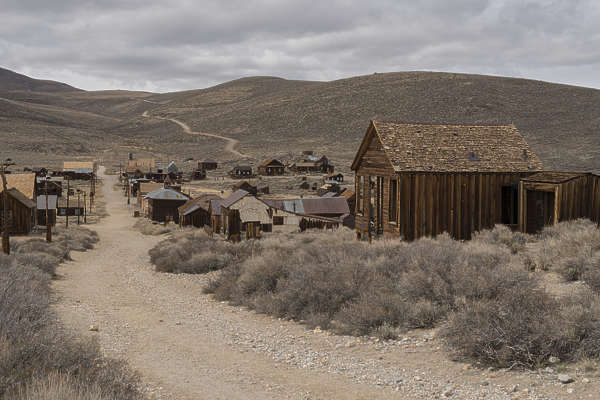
184, 44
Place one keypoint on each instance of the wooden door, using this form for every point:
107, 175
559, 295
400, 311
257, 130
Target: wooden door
540, 210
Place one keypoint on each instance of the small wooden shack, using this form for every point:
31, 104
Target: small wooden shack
547, 198
216, 215
415, 180
271, 167
208, 165
163, 205
247, 186
196, 212
21, 212
244, 213
241, 172
143, 189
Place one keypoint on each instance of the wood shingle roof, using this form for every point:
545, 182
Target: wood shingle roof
455, 148
24, 183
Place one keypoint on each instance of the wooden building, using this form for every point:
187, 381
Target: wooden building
82, 170
208, 165
143, 188
247, 186
24, 183
313, 164
271, 167
245, 215
140, 167
241, 172
547, 198
415, 180
21, 212
216, 215
339, 177
196, 212
163, 205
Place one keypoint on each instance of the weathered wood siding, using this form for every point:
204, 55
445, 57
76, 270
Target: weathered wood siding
21, 218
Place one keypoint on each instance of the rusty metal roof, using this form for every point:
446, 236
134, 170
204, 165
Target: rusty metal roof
455, 148
314, 206
166, 194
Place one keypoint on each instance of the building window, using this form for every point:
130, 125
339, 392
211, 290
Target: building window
359, 190
277, 220
393, 200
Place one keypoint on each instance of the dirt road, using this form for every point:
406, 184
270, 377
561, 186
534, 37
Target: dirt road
187, 346
229, 146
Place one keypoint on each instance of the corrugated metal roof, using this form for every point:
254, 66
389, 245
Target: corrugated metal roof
234, 197
83, 170
333, 205
147, 187
72, 165
52, 201
166, 194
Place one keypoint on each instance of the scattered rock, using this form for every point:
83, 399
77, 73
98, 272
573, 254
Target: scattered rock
448, 392
93, 328
585, 380
570, 390
564, 378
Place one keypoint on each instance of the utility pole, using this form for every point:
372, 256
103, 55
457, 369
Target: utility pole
48, 227
68, 193
84, 211
5, 235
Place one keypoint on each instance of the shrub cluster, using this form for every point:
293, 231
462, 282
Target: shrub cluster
483, 293
196, 252
150, 228
38, 359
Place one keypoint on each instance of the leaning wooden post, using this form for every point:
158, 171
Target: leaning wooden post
48, 227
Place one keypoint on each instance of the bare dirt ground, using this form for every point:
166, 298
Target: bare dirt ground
185, 345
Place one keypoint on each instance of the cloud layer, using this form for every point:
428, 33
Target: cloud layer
184, 44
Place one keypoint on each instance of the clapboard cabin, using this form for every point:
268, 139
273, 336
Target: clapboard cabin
271, 167
244, 213
20, 212
547, 198
415, 180
196, 212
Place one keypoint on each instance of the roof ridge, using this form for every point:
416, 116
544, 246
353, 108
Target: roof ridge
444, 124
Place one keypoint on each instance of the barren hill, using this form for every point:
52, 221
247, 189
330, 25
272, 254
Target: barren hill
10, 80
271, 115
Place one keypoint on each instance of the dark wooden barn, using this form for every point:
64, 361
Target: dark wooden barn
21, 212
163, 205
415, 180
196, 212
271, 167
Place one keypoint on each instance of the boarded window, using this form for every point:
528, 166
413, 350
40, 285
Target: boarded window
393, 200
277, 220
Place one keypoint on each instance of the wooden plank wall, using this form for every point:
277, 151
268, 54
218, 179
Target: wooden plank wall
21, 216
432, 203
580, 198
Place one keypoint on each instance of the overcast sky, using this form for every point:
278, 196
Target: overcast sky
161, 45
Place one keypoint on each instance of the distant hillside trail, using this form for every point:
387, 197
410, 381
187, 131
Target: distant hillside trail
229, 146
185, 345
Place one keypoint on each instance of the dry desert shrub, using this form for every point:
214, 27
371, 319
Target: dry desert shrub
36, 354
147, 227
